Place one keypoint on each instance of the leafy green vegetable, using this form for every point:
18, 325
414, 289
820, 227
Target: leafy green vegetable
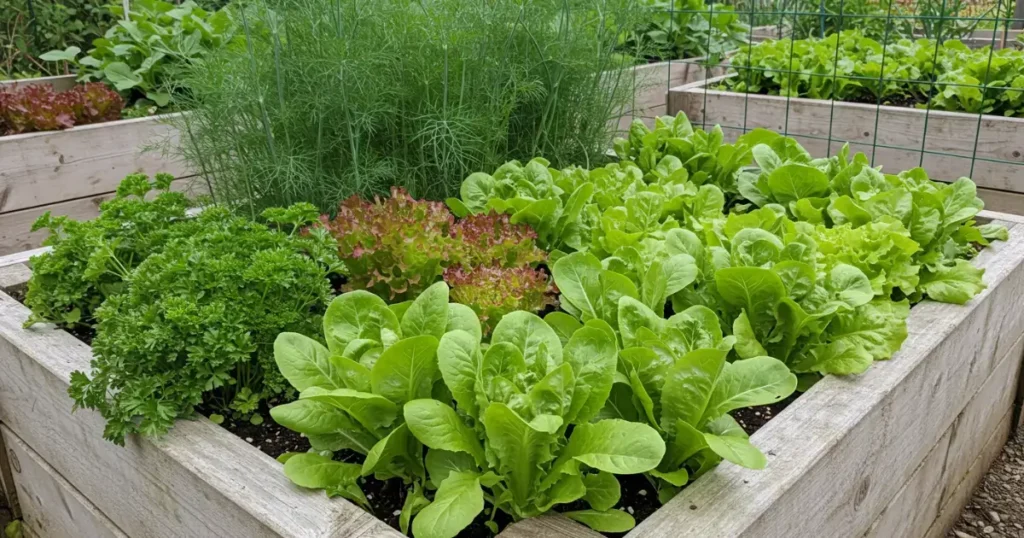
351, 392
515, 400
139, 54
848, 66
678, 29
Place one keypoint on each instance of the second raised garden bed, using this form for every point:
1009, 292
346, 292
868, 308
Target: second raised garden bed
70, 172
949, 145
892, 452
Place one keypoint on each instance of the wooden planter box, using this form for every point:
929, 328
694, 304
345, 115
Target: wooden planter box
652, 82
70, 172
200, 480
948, 138
893, 452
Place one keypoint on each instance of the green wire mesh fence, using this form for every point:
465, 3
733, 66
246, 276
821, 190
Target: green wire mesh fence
936, 84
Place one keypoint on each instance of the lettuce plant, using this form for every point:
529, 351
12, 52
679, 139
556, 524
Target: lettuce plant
846, 67
40, 108
906, 232
677, 379
351, 392
516, 399
395, 247
493, 291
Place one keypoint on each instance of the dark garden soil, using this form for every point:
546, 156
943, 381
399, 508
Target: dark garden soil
997, 508
752, 418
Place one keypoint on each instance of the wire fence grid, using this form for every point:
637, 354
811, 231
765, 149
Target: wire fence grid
904, 127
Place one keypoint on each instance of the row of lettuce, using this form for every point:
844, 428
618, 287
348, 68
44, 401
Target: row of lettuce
848, 66
553, 329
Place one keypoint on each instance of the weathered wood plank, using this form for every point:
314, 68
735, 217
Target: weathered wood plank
961, 493
50, 506
59, 82
549, 526
915, 507
199, 480
16, 226
21, 257
1002, 201
8, 495
995, 160
14, 274
843, 450
49, 167
652, 81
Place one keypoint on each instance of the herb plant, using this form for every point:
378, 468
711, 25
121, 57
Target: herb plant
196, 321
419, 97
92, 260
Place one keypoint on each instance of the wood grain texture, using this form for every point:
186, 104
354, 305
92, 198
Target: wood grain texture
948, 142
50, 506
199, 480
842, 451
961, 493
13, 275
58, 83
8, 495
1003, 201
916, 506
37, 169
548, 526
652, 82
16, 233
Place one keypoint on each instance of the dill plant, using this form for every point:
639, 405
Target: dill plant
330, 98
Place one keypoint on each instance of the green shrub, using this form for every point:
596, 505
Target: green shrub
331, 99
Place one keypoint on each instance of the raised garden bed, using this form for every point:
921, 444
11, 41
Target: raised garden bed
895, 451
653, 80
911, 432
70, 172
892, 136
200, 480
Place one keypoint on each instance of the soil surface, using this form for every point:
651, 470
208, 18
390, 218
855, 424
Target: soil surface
997, 508
752, 418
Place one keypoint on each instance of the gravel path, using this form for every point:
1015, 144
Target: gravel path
997, 508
